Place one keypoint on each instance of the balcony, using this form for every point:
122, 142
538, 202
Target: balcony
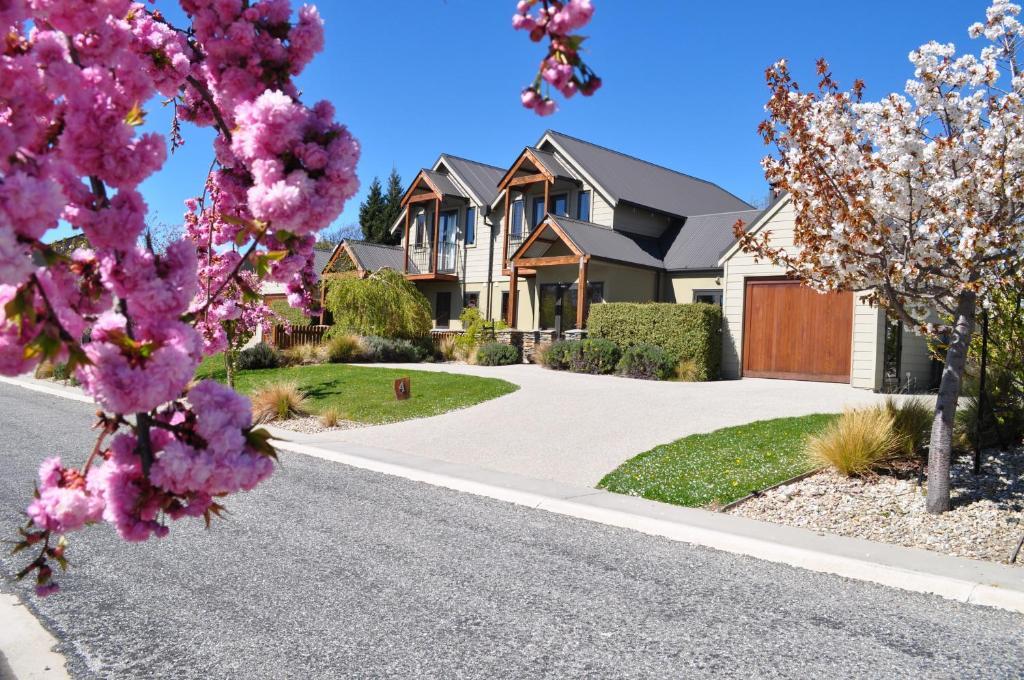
421, 262
516, 238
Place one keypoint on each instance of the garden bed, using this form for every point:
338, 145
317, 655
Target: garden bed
986, 522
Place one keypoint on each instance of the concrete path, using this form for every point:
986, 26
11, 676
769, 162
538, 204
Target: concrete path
326, 571
575, 428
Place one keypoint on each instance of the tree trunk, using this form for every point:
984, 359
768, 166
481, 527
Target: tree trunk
940, 447
229, 365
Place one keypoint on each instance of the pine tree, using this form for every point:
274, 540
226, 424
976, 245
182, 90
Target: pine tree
371, 212
393, 208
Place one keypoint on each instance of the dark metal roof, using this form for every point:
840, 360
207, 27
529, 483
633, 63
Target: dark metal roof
444, 184
703, 240
608, 244
480, 178
372, 257
630, 179
551, 163
320, 259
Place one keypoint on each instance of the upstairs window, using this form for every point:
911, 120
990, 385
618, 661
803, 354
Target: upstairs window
538, 210
560, 205
516, 228
470, 226
583, 206
421, 229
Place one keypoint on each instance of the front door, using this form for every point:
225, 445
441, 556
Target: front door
558, 304
443, 310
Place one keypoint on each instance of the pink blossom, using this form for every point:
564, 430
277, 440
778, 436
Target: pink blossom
15, 259
30, 204
63, 504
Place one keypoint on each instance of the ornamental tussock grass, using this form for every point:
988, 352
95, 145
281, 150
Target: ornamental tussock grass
448, 347
687, 370
343, 348
279, 401
331, 416
858, 443
912, 420
304, 355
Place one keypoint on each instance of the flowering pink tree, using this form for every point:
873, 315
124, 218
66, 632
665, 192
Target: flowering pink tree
133, 323
563, 69
917, 199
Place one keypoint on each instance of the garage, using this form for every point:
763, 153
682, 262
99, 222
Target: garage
794, 333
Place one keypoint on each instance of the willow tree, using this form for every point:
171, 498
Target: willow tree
383, 304
916, 199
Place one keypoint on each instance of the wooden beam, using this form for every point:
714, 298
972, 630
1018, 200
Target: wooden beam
547, 200
425, 196
527, 179
437, 226
408, 214
547, 261
508, 226
513, 295
581, 294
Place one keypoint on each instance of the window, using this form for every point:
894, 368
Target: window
538, 211
708, 297
516, 229
583, 206
504, 305
560, 205
471, 300
470, 226
421, 229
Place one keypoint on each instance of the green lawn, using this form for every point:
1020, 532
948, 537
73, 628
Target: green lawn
366, 394
719, 467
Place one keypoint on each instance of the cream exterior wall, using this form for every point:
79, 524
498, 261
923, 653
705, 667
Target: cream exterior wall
679, 287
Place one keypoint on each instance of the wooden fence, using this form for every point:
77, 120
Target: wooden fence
438, 336
300, 335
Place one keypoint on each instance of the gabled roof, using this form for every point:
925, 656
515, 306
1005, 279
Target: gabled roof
551, 163
607, 244
703, 239
757, 224
479, 178
626, 178
444, 184
371, 257
320, 260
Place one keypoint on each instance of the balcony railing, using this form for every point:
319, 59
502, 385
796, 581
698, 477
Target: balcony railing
516, 239
447, 259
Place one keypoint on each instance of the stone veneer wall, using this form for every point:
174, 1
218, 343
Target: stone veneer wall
528, 342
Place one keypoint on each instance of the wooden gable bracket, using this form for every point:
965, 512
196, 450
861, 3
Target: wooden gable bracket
432, 192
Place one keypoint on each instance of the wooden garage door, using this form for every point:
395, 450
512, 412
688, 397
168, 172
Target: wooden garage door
792, 332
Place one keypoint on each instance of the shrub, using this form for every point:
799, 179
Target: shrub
692, 331
259, 356
858, 442
344, 347
278, 401
497, 354
474, 326
448, 347
912, 420
383, 304
686, 370
562, 353
391, 350
647, 362
597, 356
304, 355
45, 370
330, 417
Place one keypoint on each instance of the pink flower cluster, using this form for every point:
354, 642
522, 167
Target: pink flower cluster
563, 68
63, 503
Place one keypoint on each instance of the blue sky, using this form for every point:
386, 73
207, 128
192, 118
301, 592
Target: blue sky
683, 81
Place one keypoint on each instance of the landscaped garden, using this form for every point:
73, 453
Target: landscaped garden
362, 394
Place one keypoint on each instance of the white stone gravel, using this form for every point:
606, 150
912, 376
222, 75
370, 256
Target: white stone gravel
312, 425
985, 523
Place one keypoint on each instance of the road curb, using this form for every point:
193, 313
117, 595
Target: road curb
26, 648
910, 569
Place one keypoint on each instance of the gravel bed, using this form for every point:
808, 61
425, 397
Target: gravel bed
985, 523
312, 425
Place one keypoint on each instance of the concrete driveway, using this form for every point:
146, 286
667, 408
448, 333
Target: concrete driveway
576, 428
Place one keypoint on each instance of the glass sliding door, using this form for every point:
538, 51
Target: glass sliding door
448, 228
557, 304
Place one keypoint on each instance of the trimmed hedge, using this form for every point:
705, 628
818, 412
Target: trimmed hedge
691, 331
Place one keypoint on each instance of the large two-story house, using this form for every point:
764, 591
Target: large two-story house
517, 242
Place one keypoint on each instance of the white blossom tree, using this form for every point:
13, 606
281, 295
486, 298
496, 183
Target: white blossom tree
916, 199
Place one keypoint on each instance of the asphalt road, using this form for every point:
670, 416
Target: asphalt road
328, 571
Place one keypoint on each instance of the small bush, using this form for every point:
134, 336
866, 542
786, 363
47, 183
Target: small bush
857, 443
561, 354
686, 370
540, 354
596, 356
330, 417
343, 348
448, 347
646, 362
475, 329
497, 354
257, 357
690, 331
912, 420
278, 401
304, 355
61, 372
392, 350
45, 370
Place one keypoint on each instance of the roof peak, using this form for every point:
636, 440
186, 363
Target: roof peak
641, 160
470, 160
